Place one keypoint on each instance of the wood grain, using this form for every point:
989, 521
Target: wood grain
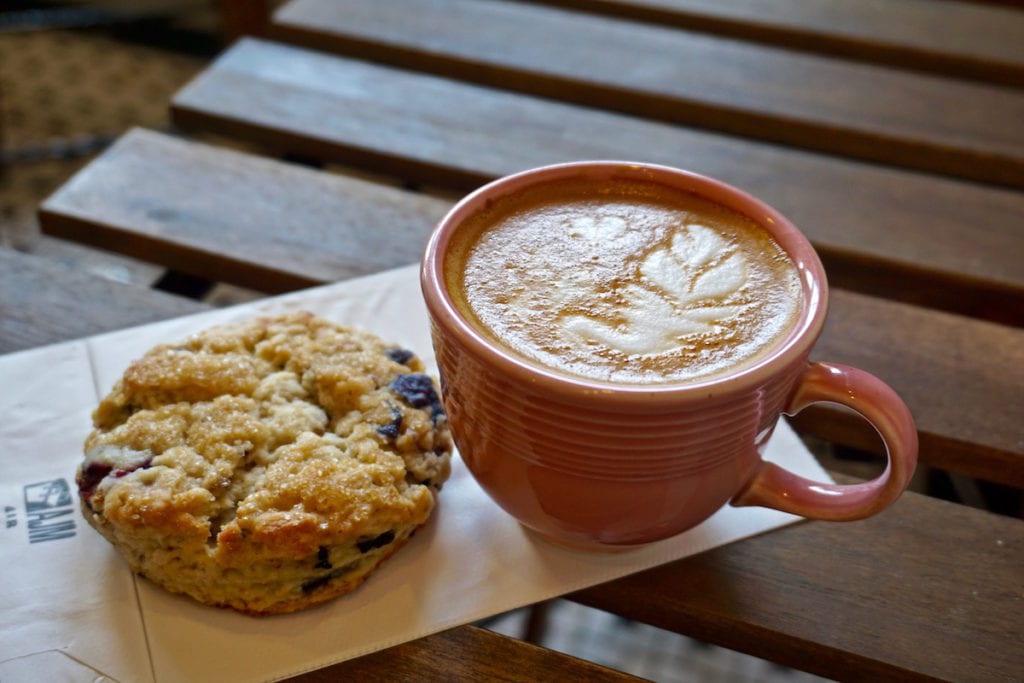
949, 369
923, 239
467, 653
964, 129
961, 39
927, 590
233, 217
238, 218
41, 302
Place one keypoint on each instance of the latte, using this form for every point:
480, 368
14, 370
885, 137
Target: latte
627, 282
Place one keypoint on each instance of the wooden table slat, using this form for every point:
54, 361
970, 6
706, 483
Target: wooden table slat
41, 302
962, 39
960, 376
927, 590
962, 379
467, 653
234, 217
881, 231
964, 129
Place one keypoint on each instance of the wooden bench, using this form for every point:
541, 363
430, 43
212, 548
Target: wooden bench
951, 38
754, 587
41, 302
928, 590
968, 130
275, 226
853, 601
467, 653
443, 133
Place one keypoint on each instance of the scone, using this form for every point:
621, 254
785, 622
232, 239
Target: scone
266, 466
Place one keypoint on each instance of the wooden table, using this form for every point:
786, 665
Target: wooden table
890, 131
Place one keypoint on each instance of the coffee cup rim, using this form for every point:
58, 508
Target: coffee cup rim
793, 348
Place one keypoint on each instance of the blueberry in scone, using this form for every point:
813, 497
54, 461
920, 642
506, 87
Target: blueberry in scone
266, 466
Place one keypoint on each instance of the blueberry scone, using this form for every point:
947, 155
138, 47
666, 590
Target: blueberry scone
266, 466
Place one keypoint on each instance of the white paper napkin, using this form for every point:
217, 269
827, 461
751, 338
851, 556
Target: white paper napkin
72, 608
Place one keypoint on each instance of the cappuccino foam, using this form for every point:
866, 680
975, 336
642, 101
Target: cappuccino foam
627, 282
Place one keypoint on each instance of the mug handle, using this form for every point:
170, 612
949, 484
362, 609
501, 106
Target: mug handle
775, 487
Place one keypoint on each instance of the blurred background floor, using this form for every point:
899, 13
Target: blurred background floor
65, 93
73, 77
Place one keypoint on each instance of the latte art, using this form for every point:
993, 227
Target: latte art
679, 296
636, 283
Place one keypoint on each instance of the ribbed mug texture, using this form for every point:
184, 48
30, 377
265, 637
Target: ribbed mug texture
584, 468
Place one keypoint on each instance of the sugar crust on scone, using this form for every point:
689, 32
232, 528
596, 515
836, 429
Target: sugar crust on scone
266, 466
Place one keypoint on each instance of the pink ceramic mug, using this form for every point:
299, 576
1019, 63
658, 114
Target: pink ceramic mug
603, 466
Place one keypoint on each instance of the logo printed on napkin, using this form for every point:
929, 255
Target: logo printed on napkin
49, 510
